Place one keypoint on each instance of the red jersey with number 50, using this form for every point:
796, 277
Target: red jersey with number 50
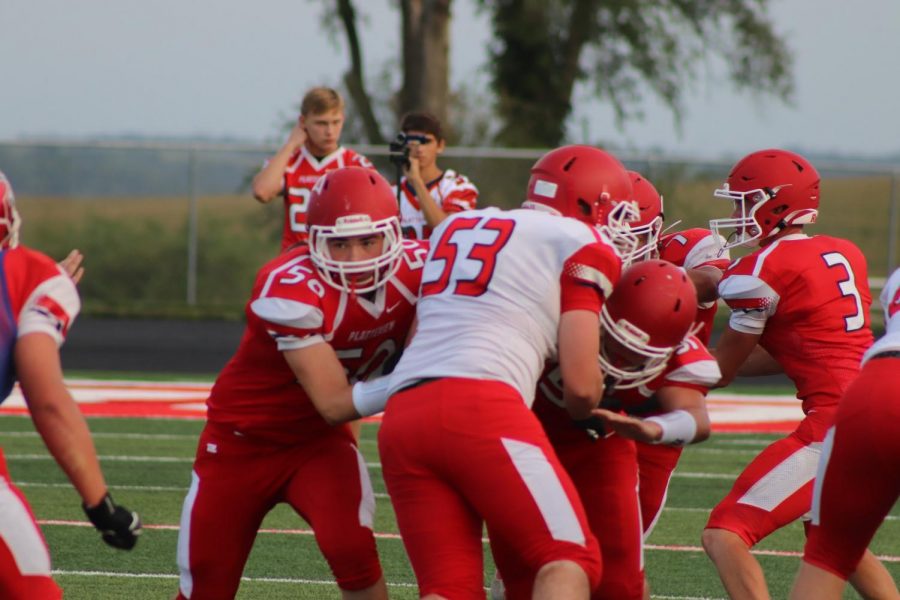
257, 392
809, 299
694, 248
691, 366
300, 175
493, 288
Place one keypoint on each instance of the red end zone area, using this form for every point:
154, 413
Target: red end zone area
186, 400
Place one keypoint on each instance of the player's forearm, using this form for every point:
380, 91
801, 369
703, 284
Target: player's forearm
66, 435
759, 364
706, 281
433, 213
269, 182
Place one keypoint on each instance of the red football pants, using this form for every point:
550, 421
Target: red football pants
776, 487
859, 476
24, 558
460, 452
236, 481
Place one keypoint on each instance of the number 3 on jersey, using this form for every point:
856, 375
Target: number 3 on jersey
848, 288
468, 248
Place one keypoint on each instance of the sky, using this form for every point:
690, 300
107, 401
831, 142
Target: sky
236, 68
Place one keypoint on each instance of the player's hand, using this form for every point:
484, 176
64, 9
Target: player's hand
71, 264
413, 172
629, 427
298, 136
592, 426
119, 526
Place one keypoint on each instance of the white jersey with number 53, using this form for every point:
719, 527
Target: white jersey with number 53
493, 288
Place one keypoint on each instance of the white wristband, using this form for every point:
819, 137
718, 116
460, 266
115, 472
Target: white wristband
369, 397
678, 427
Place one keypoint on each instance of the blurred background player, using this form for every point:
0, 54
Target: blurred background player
40, 303
857, 481
501, 292
320, 317
805, 301
311, 150
428, 193
647, 350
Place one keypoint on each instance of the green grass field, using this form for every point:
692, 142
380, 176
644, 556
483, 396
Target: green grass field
148, 462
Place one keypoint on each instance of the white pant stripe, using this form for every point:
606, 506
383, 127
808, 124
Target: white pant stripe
546, 490
186, 582
21, 535
780, 483
827, 446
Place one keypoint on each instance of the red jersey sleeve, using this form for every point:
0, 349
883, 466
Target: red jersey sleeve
588, 277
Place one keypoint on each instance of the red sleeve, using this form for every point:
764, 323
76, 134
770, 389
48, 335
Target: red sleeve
588, 277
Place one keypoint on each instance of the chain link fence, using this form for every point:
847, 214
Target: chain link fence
172, 229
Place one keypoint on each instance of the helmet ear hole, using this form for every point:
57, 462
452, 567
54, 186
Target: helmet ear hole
584, 207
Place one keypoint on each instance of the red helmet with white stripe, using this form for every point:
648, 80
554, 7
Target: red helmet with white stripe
771, 189
651, 310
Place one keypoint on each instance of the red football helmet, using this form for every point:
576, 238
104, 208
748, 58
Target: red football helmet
354, 202
9, 217
582, 182
646, 317
771, 189
642, 236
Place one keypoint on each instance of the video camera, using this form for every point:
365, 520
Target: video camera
398, 149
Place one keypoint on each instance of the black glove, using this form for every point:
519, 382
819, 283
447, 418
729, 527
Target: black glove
592, 426
118, 525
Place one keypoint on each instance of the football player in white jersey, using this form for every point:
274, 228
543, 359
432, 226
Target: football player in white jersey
37, 308
428, 193
503, 291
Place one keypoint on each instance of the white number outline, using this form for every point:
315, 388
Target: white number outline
847, 287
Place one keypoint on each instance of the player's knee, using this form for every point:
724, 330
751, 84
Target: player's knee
718, 541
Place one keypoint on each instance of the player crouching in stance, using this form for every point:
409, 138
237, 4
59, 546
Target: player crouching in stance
656, 368
857, 483
38, 305
319, 318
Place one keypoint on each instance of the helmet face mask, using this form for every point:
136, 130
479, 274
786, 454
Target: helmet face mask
627, 356
637, 238
771, 190
10, 222
353, 204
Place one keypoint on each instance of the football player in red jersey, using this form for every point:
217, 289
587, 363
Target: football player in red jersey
854, 488
656, 369
39, 304
805, 301
429, 193
501, 292
320, 317
311, 150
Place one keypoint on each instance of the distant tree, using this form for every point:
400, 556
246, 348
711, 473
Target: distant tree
425, 31
542, 48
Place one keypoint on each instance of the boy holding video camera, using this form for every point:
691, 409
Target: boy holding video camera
427, 193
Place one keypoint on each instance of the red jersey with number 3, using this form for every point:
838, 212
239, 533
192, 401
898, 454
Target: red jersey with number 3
493, 288
291, 307
809, 299
300, 175
694, 248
